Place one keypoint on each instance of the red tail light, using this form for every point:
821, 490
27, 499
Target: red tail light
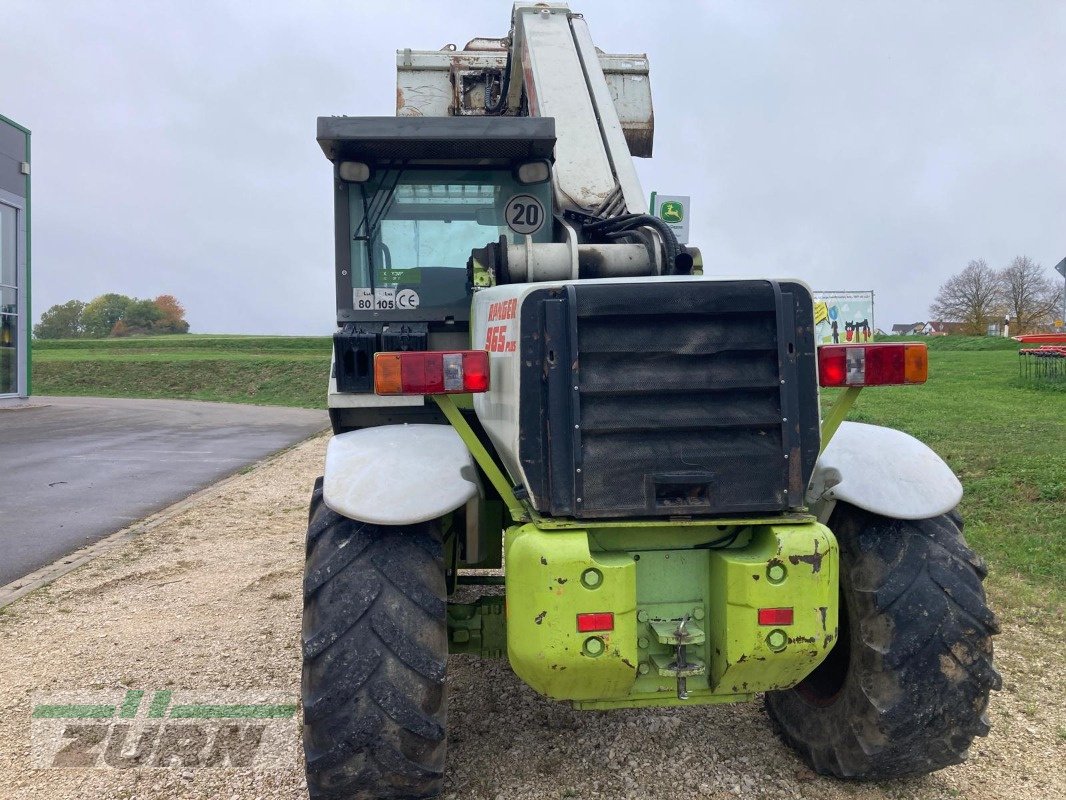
431, 372
872, 364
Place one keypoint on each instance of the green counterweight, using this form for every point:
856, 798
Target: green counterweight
705, 598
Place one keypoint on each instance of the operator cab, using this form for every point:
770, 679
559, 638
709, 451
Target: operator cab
413, 197
414, 227
405, 227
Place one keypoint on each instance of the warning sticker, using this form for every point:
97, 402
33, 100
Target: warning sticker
376, 300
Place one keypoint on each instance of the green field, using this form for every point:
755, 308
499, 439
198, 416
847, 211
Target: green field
1004, 437
1006, 440
265, 370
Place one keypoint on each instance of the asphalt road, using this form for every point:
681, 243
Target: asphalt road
75, 469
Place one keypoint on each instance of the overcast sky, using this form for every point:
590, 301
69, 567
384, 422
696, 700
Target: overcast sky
854, 145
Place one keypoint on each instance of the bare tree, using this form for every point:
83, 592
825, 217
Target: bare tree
1028, 295
971, 297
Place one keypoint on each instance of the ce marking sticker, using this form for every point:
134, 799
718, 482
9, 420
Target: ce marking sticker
524, 214
407, 299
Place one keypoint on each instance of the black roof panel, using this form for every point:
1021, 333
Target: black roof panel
432, 138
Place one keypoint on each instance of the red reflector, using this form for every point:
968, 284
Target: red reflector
775, 616
871, 364
884, 365
590, 623
434, 372
421, 373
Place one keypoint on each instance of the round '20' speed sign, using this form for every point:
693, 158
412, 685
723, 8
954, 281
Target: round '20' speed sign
524, 214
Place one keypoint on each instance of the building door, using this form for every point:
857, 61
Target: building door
11, 344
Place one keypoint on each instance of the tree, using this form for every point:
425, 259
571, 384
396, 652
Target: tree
140, 316
1028, 295
173, 319
102, 312
61, 321
970, 297
112, 315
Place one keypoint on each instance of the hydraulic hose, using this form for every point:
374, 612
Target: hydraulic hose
644, 237
613, 227
500, 106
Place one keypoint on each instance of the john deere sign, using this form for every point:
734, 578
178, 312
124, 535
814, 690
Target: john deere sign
673, 210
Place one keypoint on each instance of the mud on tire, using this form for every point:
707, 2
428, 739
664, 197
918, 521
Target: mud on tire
374, 656
905, 690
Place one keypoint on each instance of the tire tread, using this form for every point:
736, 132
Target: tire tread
375, 656
920, 672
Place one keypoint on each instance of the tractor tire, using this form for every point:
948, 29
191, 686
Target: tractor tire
375, 650
905, 689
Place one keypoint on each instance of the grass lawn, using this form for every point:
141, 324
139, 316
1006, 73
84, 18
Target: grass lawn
1006, 440
265, 370
1004, 437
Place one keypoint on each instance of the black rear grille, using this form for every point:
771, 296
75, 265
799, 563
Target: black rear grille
668, 398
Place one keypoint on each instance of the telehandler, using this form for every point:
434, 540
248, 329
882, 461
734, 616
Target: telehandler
531, 372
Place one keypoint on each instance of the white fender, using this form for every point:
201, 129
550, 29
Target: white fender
399, 474
883, 471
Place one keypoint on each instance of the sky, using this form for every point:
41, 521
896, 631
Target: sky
873, 145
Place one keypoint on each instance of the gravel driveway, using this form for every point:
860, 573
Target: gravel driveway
210, 600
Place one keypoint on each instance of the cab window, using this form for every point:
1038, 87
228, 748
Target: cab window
413, 230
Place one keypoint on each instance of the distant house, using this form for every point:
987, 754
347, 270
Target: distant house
908, 329
946, 328
931, 328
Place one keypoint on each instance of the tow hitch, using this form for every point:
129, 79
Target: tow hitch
680, 637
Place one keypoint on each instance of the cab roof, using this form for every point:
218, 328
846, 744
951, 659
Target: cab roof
377, 139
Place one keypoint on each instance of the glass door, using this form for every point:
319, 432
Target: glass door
9, 301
